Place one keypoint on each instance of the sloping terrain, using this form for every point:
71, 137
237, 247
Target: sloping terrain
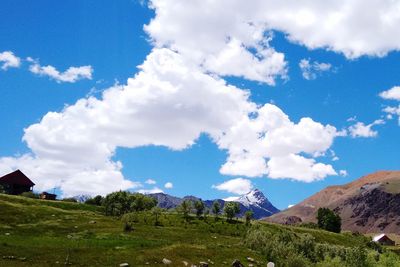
370, 204
50, 233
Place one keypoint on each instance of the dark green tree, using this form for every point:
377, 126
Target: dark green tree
231, 209
185, 208
199, 207
248, 216
329, 220
216, 208
119, 203
96, 201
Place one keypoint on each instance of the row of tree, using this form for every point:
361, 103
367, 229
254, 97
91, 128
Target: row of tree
230, 210
122, 202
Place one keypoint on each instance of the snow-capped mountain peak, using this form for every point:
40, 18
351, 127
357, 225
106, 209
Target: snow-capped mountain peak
254, 197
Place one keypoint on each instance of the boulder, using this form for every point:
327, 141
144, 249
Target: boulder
237, 263
166, 261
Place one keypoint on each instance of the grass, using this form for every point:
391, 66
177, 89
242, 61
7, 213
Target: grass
46, 233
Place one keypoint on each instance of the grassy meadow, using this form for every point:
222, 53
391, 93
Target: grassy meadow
54, 233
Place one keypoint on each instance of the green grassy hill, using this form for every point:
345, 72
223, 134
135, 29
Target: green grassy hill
49, 233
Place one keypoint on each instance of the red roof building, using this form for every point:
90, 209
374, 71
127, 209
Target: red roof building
16, 183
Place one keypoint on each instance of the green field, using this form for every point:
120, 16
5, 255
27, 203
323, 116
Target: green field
51, 233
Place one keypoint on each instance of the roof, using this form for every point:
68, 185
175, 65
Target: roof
378, 237
17, 177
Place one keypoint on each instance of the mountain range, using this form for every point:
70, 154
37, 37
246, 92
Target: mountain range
254, 200
369, 204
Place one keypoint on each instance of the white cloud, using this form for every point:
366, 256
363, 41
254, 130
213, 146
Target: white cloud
154, 190
71, 75
393, 93
150, 181
168, 185
298, 168
343, 173
392, 111
205, 29
310, 70
270, 144
359, 129
237, 186
9, 60
76, 145
222, 37
290, 205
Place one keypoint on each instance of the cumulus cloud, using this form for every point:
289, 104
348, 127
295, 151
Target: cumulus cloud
392, 94
360, 129
269, 143
237, 186
9, 60
311, 70
206, 30
392, 111
222, 37
153, 190
71, 75
150, 181
343, 173
76, 146
168, 185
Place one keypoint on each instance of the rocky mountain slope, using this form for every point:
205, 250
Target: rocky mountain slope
255, 200
370, 204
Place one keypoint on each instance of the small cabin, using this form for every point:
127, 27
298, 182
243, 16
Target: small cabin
16, 183
383, 239
47, 196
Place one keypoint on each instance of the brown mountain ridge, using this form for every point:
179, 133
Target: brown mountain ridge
369, 204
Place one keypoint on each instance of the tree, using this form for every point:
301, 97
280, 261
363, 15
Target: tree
248, 215
185, 208
156, 211
119, 203
231, 209
329, 220
206, 213
199, 207
216, 208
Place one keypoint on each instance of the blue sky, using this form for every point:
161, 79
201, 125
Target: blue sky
340, 85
